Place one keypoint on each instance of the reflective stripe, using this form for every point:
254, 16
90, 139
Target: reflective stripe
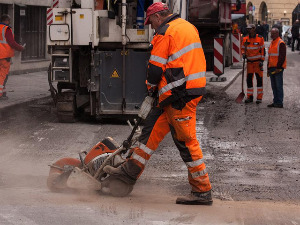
250, 89
255, 57
152, 85
186, 49
139, 158
260, 92
158, 59
1, 86
145, 149
3, 41
180, 82
254, 47
277, 54
194, 163
199, 173
140, 18
1, 91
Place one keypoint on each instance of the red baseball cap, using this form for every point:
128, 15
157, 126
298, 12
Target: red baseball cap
154, 8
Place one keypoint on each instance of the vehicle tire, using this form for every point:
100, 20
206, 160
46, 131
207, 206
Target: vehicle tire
57, 179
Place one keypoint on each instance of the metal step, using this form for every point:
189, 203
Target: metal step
60, 55
60, 68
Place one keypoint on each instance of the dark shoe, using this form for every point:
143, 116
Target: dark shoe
249, 100
3, 98
278, 106
118, 172
196, 198
258, 101
271, 105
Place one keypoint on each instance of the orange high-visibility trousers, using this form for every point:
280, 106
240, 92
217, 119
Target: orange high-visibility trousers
182, 124
4, 69
254, 68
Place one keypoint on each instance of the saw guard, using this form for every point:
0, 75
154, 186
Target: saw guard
58, 174
79, 179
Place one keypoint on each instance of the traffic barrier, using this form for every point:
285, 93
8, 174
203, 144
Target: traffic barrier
236, 47
50, 12
218, 56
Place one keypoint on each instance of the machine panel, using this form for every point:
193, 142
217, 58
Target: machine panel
111, 81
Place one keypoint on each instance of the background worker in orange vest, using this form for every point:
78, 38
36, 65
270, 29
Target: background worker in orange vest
276, 66
7, 47
176, 71
253, 49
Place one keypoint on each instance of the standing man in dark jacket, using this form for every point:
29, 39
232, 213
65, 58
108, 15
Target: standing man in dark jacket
278, 25
7, 51
260, 29
266, 30
295, 35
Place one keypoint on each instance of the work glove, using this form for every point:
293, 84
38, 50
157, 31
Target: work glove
24, 45
146, 107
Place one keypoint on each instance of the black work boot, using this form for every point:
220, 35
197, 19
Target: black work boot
258, 101
119, 173
196, 198
248, 100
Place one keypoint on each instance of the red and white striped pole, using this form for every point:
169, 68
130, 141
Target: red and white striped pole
50, 12
218, 56
236, 48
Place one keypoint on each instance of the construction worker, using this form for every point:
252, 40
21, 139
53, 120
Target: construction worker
276, 66
7, 47
253, 49
176, 70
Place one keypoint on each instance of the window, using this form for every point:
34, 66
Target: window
31, 29
3, 9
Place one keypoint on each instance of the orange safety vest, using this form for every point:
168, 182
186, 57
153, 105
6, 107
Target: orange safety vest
178, 59
255, 48
5, 50
274, 53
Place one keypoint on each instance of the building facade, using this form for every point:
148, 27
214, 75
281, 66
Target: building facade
29, 26
271, 11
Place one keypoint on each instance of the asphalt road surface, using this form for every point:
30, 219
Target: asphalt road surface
251, 152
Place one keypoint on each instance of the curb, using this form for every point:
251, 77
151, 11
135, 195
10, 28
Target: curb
231, 82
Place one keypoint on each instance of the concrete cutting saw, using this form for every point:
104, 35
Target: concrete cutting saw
86, 173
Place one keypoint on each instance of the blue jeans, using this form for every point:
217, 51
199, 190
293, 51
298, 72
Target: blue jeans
277, 86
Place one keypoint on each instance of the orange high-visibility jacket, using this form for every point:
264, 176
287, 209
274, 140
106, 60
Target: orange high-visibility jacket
177, 63
5, 50
274, 53
255, 48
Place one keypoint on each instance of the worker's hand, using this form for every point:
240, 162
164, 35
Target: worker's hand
261, 64
268, 73
277, 71
24, 45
